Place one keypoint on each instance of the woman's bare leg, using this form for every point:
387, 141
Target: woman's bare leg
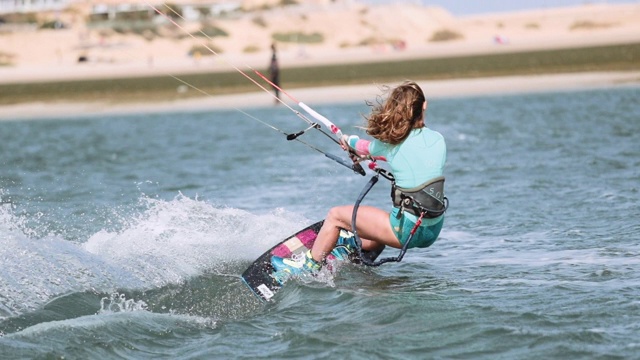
373, 225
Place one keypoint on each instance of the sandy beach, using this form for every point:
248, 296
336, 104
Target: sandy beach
40, 56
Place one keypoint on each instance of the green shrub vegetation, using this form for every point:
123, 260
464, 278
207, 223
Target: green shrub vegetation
299, 37
204, 50
210, 30
5, 58
445, 35
259, 21
250, 49
587, 25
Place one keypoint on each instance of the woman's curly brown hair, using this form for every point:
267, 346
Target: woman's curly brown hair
391, 121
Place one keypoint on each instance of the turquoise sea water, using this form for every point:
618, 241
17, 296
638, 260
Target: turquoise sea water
125, 236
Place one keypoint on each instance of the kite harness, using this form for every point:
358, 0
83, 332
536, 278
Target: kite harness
424, 201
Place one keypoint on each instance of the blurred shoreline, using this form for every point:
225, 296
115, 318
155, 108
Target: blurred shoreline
434, 89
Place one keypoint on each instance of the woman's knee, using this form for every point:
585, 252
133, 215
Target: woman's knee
338, 215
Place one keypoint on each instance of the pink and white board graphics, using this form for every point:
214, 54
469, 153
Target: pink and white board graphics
261, 276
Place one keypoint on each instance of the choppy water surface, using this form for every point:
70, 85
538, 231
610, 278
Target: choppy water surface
124, 236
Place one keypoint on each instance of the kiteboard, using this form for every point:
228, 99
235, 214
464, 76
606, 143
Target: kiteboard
265, 281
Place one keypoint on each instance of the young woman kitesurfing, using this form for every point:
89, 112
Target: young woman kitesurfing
416, 155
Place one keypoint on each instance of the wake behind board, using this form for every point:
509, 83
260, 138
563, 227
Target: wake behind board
262, 278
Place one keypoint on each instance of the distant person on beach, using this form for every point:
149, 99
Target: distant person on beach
274, 72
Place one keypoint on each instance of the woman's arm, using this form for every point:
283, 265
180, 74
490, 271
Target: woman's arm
361, 146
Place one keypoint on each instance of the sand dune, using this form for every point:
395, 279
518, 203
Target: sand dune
352, 32
344, 26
